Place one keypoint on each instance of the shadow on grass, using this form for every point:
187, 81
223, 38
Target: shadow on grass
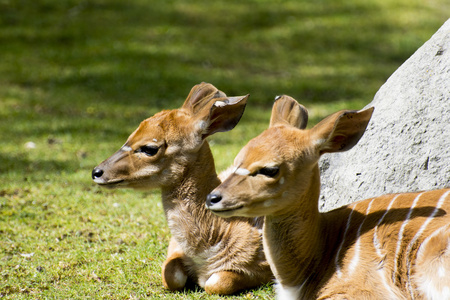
153, 53
18, 163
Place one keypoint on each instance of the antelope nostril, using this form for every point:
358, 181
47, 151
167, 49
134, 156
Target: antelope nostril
97, 173
213, 198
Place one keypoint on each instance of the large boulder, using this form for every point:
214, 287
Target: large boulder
406, 146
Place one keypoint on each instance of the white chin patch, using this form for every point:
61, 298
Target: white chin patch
99, 180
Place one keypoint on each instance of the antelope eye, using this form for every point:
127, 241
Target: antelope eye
149, 150
269, 171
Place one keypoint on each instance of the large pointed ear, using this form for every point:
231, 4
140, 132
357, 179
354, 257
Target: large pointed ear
223, 115
212, 110
341, 131
200, 96
288, 111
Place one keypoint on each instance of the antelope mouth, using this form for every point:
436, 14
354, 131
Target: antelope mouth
225, 211
109, 184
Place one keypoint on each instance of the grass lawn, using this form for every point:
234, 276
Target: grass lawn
77, 77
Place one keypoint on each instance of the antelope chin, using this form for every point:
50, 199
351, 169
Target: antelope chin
108, 184
224, 212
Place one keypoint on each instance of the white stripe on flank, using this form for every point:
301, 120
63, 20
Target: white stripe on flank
391, 291
355, 258
376, 242
417, 236
400, 235
336, 259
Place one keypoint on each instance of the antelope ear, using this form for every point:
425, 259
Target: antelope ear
341, 131
212, 110
200, 96
223, 115
288, 111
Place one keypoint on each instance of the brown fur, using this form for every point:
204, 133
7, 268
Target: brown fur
390, 247
222, 256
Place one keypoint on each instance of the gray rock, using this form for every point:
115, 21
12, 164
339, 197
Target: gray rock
406, 146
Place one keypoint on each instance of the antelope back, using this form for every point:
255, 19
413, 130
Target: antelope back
158, 151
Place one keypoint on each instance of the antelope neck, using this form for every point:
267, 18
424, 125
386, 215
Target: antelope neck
295, 243
193, 185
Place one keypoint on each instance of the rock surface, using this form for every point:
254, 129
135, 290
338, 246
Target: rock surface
406, 146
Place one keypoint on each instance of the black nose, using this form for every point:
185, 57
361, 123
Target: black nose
213, 198
97, 173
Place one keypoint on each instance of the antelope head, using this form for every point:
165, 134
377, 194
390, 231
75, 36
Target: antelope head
157, 153
280, 164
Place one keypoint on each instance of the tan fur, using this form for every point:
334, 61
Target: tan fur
390, 247
223, 256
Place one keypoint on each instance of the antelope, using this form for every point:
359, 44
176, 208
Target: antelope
389, 247
169, 151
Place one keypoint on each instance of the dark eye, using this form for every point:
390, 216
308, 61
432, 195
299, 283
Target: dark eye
269, 171
149, 150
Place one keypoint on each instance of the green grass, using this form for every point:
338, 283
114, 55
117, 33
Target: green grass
77, 77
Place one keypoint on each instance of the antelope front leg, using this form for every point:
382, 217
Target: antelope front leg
174, 274
227, 282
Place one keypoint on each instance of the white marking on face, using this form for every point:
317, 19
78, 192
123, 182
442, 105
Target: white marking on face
155, 140
126, 148
282, 180
400, 236
376, 242
241, 171
336, 259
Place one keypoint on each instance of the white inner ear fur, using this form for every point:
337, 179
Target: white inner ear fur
219, 104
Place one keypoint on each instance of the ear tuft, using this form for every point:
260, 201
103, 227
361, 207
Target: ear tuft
286, 110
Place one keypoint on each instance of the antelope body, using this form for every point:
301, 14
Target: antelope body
390, 247
169, 151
